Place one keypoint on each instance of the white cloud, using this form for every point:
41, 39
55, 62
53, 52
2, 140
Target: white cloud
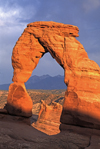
8, 16
15, 15
89, 5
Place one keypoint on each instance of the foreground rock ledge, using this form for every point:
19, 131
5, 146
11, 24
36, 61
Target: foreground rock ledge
82, 75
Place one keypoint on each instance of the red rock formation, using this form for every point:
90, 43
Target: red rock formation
82, 98
49, 118
82, 75
37, 39
18, 101
51, 112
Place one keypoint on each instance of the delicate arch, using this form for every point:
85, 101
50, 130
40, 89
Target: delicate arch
80, 72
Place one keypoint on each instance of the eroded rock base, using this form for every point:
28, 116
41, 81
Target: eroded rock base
18, 101
81, 111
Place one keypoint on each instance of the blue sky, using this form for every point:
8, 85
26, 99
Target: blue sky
16, 14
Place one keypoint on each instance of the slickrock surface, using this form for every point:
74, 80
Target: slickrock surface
82, 75
31, 133
16, 133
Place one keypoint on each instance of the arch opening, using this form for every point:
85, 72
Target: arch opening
48, 65
49, 75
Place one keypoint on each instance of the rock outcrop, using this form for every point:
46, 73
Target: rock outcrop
18, 101
49, 118
82, 75
16, 134
51, 112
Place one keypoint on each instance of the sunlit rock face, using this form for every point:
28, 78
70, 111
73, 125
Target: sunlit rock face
50, 113
49, 118
82, 75
18, 101
82, 98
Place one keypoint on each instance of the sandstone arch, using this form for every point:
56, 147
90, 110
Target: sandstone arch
82, 76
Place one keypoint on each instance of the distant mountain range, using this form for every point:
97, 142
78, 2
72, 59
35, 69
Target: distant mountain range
45, 82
